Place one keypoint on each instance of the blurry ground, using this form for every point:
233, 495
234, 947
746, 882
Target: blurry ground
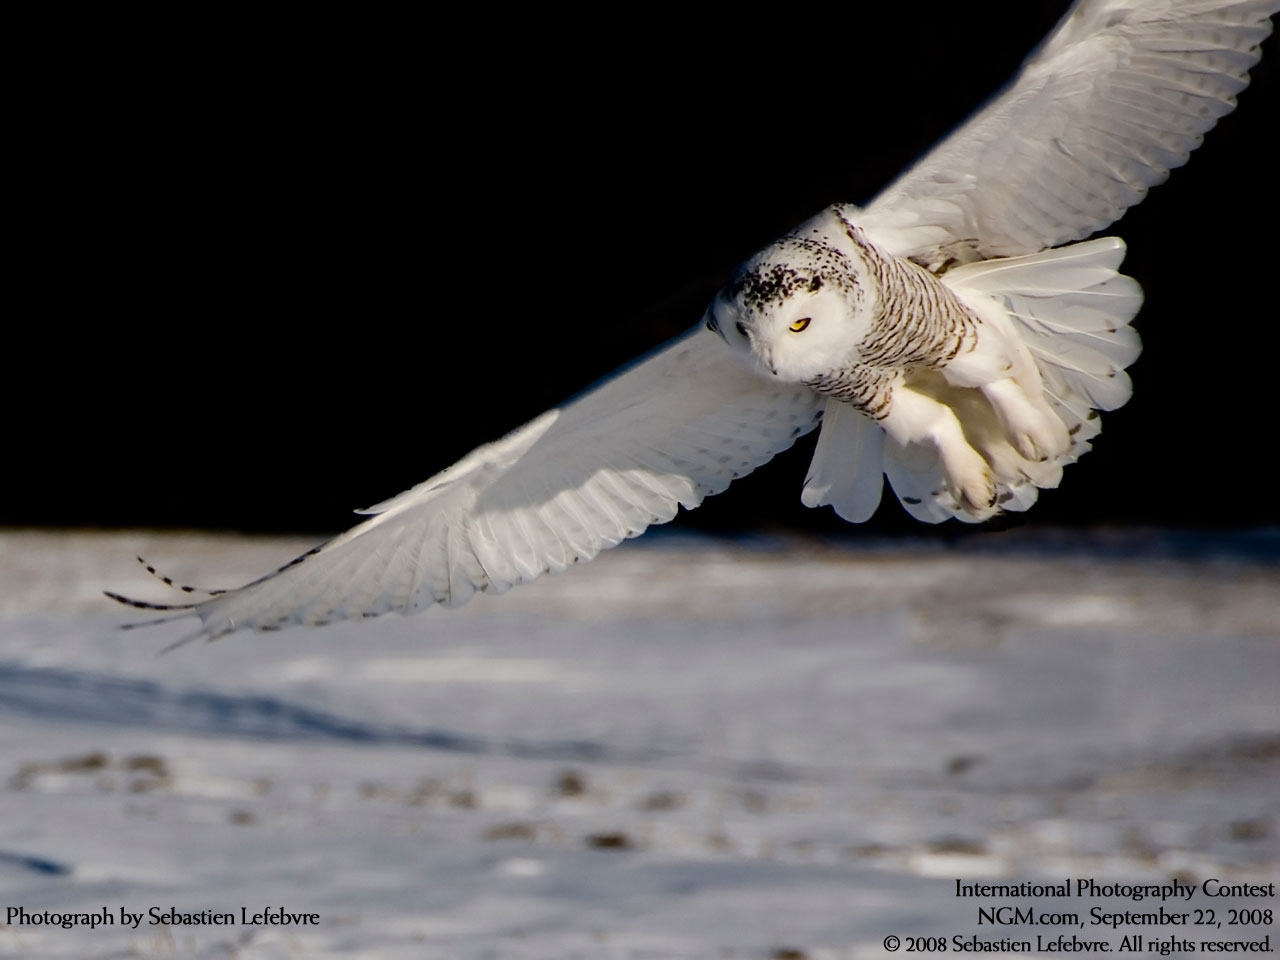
685, 749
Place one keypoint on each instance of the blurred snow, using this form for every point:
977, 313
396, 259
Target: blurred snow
689, 748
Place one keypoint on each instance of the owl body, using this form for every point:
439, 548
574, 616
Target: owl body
940, 368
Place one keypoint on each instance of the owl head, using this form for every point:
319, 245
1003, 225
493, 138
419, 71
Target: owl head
795, 309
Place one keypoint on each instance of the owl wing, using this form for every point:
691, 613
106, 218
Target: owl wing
1118, 95
667, 432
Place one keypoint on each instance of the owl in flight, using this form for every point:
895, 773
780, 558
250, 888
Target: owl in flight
954, 337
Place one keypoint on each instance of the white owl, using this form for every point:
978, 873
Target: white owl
953, 336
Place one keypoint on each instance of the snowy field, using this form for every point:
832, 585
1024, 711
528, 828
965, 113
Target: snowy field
686, 749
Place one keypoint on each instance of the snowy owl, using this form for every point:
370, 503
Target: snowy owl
958, 336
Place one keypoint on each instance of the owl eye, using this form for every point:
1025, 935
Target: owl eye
800, 324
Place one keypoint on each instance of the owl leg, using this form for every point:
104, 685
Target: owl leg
1033, 429
913, 417
1002, 368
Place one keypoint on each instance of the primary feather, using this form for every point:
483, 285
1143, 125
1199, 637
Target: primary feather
667, 433
1119, 94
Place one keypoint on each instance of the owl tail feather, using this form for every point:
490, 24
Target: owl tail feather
1060, 320
846, 470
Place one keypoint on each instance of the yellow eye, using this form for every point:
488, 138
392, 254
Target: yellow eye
800, 324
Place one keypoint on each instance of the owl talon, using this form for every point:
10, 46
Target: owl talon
977, 494
1027, 446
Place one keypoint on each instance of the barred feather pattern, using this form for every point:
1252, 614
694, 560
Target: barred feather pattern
916, 322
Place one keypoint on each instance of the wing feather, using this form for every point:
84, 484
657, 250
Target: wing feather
666, 433
1119, 94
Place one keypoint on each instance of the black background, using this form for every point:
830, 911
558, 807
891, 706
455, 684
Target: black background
275, 271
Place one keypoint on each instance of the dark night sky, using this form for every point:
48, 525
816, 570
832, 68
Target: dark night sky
271, 280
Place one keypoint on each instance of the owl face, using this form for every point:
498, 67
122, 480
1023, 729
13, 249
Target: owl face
794, 322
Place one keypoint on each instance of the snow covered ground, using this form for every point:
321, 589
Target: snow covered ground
686, 749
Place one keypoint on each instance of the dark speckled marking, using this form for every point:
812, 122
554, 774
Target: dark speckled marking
292, 563
911, 319
297, 560
915, 322
793, 264
168, 581
144, 605
919, 322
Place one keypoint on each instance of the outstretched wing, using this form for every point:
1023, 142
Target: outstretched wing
1119, 94
673, 429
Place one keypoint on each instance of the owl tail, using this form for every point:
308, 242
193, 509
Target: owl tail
1061, 318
